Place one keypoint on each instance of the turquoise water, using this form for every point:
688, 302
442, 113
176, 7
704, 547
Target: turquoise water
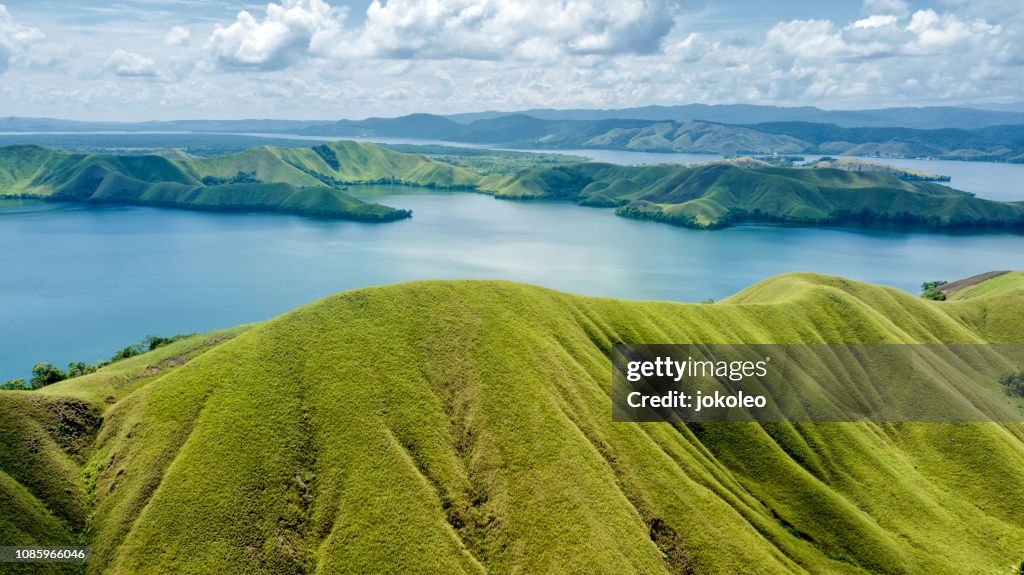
81, 282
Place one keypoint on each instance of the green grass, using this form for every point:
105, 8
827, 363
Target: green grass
719, 194
312, 181
306, 181
1007, 283
465, 427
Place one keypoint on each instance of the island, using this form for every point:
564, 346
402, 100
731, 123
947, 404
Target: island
315, 181
721, 193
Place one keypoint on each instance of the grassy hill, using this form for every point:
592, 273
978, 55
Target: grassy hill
858, 165
717, 194
983, 285
307, 181
311, 181
477, 438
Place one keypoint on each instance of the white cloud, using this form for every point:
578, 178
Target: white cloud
433, 29
937, 34
26, 46
495, 29
130, 64
875, 21
177, 36
307, 58
926, 33
289, 31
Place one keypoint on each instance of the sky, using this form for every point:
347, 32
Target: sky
317, 59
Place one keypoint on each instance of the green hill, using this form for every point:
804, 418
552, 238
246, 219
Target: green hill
718, 194
307, 181
476, 437
987, 284
311, 181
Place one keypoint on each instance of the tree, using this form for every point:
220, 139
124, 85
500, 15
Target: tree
14, 384
932, 291
78, 368
44, 374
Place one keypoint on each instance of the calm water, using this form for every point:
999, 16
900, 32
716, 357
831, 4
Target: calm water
81, 282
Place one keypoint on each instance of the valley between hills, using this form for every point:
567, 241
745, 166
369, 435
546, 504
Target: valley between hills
315, 181
477, 439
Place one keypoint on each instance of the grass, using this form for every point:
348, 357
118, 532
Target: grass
1007, 282
306, 181
719, 194
486, 161
477, 437
312, 181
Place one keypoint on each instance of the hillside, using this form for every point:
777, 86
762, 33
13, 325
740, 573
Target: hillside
984, 285
312, 181
306, 181
718, 194
1003, 143
858, 165
929, 117
478, 438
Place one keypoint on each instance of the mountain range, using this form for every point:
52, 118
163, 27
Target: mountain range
929, 117
938, 132
994, 143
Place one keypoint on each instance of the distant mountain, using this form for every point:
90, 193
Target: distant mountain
1003, 142
422, 126
925, 118
993, 143
998, 143
527, 131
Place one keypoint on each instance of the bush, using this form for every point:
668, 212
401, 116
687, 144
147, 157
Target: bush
1013, 384
44, 374
14, 384
932, 291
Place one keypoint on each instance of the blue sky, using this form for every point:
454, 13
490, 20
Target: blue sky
161, 59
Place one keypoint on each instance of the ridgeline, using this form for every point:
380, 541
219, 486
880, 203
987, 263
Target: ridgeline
717, 194
313, 182
478, 439
305, 181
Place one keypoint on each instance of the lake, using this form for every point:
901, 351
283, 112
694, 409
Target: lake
81, 282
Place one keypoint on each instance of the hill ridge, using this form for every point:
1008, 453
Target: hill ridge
305, 181
478, 438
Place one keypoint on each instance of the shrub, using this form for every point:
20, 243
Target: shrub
1013, 384
14, 384
932, 291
